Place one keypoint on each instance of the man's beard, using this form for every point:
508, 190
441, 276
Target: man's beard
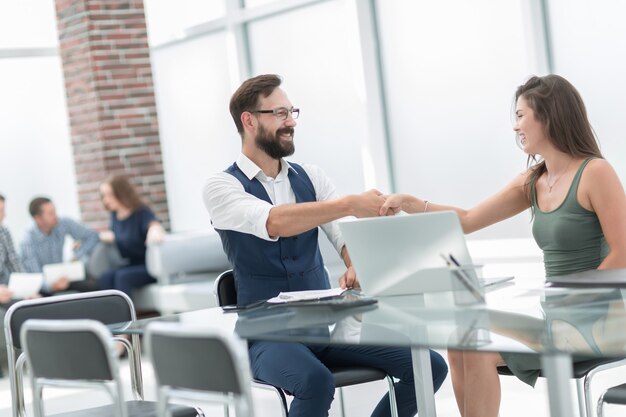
272, 145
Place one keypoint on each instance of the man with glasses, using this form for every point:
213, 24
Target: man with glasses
267, 212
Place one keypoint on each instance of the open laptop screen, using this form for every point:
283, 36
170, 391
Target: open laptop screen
402, 254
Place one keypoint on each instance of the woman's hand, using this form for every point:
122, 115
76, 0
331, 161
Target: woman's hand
107, 236
156, 233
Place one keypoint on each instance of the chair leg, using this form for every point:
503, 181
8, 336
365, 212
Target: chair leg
581, 397
283, 401
342, 405
600, 409
392, 397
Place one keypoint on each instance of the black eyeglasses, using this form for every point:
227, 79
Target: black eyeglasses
281, 113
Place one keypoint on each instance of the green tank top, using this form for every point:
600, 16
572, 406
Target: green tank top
570, 236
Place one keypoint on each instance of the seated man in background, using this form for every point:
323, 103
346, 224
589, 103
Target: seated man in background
267, 212
9, 262
44, 241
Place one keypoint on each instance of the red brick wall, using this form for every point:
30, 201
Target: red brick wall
110, 100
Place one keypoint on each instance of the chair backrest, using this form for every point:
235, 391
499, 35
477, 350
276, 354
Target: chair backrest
68, 349
71, 353
225, 288
187, 361
108, 307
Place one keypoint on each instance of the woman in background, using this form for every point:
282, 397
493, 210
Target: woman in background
579, 217
133, 225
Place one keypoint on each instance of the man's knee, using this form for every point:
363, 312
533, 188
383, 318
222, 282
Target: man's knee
316, 382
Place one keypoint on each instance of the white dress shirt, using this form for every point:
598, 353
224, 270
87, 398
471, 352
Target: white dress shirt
232, 208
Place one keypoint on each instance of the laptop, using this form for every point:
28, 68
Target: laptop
404, 254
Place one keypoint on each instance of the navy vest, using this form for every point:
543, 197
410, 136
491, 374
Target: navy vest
263, 268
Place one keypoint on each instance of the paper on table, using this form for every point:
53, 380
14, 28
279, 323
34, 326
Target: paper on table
291, 296
74, 271
24, 285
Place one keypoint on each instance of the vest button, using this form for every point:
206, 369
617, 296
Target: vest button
285, 258
295, 258
301, 274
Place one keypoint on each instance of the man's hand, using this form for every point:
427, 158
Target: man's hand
60, 284
5, 294
107, 236
348, 279
392, 205
367, 204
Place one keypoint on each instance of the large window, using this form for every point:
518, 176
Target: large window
450, 80
415, 92
589, 48
323, 76
35, 151
198, 136
170, 20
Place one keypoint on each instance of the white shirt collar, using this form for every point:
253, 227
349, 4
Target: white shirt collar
252, 170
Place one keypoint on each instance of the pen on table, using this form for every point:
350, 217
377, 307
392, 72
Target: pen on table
465, 279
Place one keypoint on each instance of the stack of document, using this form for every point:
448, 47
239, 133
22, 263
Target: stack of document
311, 295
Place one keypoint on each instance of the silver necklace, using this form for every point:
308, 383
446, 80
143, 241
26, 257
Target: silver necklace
557, 178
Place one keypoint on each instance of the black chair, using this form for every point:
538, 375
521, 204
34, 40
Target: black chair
223, 368
615, 395
583, 372
225, 290
81, 354
107, 307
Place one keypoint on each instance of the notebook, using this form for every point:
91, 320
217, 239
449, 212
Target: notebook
400, 255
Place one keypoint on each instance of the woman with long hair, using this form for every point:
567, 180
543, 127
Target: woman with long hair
133, 225
579, 217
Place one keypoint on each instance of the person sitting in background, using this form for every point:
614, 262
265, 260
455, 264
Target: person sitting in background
579, 217
133, 225
44, 241
9, 261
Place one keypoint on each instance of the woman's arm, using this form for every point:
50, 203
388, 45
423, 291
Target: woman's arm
604, 193
506, 203
156, 233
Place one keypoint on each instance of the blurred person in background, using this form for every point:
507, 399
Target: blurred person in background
133, 225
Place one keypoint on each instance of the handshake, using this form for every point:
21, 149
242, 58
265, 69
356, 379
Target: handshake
373, 203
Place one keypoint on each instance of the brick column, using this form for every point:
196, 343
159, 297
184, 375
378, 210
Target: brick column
110, 100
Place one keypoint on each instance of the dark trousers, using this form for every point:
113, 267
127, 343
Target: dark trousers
303, 371
125, 279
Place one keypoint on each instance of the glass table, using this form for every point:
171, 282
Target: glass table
553, 323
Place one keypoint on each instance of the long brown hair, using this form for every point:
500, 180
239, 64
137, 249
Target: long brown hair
557, 104
125, 192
